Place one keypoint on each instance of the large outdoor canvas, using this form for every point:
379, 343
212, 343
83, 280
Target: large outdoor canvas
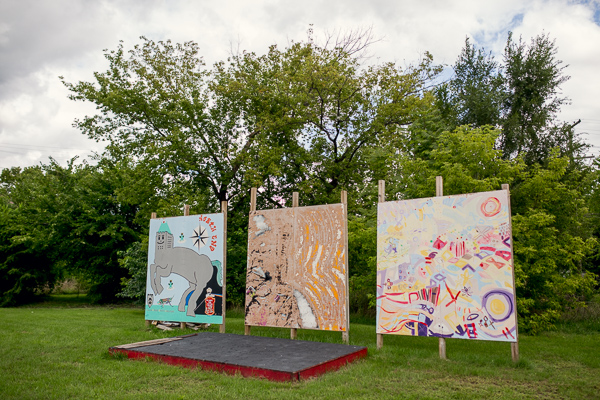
185, 274
296, 276
445, 267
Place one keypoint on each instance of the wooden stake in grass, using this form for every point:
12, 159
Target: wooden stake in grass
439, 191
514, 346
186, 213
224, 265
381, 199
295, 203
252, 208
148, 322
346, 334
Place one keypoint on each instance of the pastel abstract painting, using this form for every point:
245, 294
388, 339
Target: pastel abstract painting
185, 274
296, 276
445, 267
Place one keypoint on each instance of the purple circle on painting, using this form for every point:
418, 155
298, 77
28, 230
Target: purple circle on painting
505, 297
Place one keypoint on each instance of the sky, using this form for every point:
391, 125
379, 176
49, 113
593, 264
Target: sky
41, 40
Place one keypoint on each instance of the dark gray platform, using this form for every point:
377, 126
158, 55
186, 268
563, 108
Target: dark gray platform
273, 358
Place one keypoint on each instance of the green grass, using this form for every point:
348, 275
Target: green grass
59, 349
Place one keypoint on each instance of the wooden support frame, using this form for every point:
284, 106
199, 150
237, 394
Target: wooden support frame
380, 199
442, 341
148, 322
346, 334
253, 191
514, 346
295, 203
224, 264
439, 192
186, 213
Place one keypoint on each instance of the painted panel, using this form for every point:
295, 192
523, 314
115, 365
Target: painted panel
296, 275
185, 274
445, 267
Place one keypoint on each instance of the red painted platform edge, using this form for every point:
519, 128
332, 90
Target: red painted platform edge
213, 366
331, 365
246, 372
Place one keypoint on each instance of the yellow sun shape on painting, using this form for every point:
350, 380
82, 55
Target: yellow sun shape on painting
497, 306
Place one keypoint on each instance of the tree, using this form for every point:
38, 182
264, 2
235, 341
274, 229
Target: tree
522, 95
160, 105
325, 110
25, 266
65, 220
533, 76
465, 157
475, 94
553, 243
294, 118
135, 259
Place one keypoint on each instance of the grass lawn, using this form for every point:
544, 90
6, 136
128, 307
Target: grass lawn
59, 349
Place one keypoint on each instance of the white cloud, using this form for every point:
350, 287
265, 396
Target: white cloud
40, 40
577, 35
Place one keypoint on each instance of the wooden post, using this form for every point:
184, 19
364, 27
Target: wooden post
514, 346
224, 266
186, 212
295, 203
439, 191
148, 322
252, 208
381, 199
346, 334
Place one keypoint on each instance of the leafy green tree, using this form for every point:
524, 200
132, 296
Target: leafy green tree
466, 158
66, 220
135, 260
532, 80
593, 182
522, 95
475, 94
158, 104
99, 226
25, 266
362, 261
323, 109
553, 244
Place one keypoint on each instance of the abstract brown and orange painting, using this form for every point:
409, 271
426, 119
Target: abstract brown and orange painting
297, 272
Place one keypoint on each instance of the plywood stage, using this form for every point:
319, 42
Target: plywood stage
251, 356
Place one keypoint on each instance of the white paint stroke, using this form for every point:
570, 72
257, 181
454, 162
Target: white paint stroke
306, 314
